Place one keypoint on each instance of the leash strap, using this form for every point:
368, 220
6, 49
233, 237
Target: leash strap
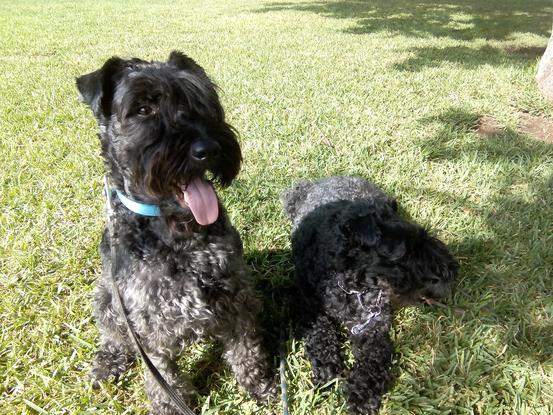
175, 397
282, 372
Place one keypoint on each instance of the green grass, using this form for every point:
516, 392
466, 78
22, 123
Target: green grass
389, 90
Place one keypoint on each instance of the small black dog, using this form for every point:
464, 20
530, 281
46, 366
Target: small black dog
356, 260
182, 275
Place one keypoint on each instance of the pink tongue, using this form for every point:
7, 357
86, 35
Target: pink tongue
202, 201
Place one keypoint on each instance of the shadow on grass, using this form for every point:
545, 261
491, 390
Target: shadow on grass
461, 20
506, 280
466, 57
510, 270
273, 272
508, 264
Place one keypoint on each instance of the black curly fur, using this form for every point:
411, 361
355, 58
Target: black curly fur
180, 281
356, 260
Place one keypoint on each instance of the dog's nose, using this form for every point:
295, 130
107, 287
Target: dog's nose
204, 150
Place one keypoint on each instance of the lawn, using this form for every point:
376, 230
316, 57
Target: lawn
391, 90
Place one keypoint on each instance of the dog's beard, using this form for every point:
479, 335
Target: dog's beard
188, 189
166, 175
153, 158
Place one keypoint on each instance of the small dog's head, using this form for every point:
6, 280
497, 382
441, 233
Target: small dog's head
416, 264
163, 132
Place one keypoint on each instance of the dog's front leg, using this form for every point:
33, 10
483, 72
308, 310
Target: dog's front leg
370, 375
160, 402
244, 353
116, 351
322, 346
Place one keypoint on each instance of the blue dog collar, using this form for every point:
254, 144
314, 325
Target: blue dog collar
143, 209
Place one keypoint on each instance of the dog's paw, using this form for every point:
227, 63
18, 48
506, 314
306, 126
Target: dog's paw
364, 408
108, 364
323, 374
162, 404
361, 399
362, 404
265, 391
99, 374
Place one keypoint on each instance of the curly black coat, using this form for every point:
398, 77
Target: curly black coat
356, 260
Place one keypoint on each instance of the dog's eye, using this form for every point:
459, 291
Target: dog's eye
434, 280
145, 110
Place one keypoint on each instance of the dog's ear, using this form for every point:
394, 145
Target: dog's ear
396, 233
206, 88
363, 229
181, 61
392, 202
97, 88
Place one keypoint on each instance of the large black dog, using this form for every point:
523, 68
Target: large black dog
356, 259
182, 276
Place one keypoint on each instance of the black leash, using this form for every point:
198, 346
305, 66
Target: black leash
175, 397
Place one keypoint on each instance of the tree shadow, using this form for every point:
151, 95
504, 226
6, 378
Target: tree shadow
460, 20
509, 263
506, 278
466, 57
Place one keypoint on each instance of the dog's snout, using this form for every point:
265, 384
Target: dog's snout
204, 150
